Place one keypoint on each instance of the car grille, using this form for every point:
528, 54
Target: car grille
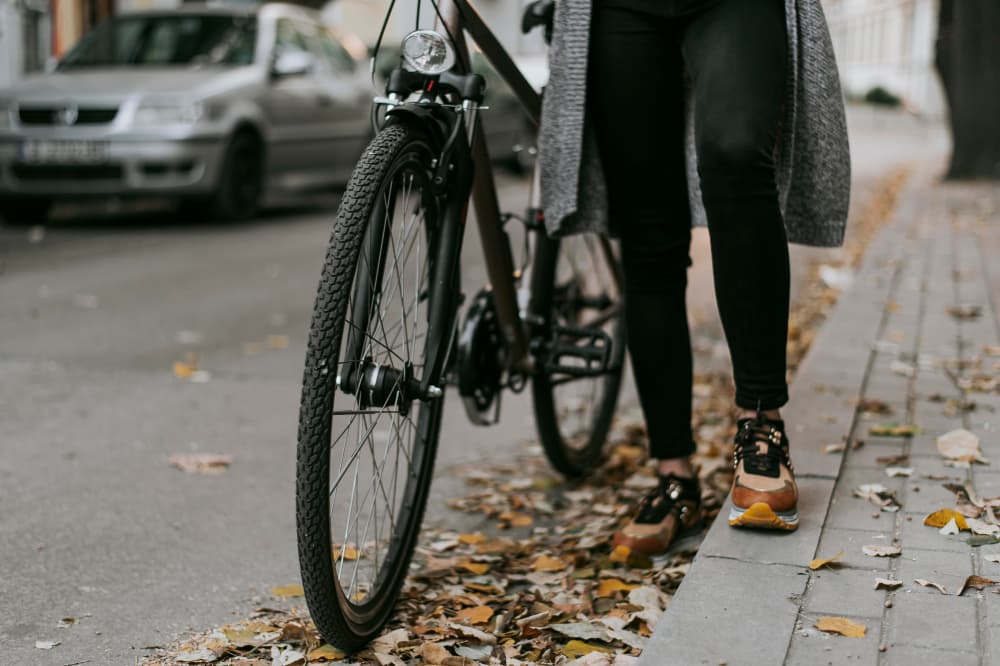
64, 172
57, 115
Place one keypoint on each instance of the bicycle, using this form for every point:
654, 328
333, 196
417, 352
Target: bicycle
386, 336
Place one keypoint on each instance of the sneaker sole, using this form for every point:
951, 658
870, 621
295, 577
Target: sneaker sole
762, 517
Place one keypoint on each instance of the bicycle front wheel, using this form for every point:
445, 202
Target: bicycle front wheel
576, 285
366, 446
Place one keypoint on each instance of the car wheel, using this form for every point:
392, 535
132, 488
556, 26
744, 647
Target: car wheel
237, 196
24, 211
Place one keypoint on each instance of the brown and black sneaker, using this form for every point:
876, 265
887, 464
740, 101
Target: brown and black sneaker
764, 492
674, 506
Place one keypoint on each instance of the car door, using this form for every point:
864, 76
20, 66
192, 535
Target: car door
299, 140
347, 84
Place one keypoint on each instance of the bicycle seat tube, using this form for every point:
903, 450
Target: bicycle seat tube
495, 242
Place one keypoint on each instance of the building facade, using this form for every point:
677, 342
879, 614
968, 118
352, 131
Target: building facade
888, 44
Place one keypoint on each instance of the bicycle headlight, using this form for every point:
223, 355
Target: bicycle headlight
428, 52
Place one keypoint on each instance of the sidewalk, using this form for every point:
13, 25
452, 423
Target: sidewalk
751, 598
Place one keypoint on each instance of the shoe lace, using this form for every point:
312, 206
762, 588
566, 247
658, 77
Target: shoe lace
762, 446
660, 501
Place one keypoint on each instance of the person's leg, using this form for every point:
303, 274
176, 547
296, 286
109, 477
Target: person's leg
635, 102
736, 52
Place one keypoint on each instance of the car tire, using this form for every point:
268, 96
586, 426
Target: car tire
24, 211
241, 179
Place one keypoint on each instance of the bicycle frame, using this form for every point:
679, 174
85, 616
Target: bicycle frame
462, 18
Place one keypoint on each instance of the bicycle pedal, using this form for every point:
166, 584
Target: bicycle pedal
579, 352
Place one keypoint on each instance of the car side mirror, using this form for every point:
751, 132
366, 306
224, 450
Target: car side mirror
292, 63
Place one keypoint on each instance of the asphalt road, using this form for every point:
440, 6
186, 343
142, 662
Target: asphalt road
94, 523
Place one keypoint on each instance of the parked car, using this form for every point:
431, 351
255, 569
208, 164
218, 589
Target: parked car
216, 106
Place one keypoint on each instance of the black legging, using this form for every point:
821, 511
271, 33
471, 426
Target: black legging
734, 53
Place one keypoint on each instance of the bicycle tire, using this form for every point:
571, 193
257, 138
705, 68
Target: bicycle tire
343, 617
575, 454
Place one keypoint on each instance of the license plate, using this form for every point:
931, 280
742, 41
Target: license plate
73, 152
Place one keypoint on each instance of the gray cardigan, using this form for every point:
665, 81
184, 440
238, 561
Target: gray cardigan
813, 171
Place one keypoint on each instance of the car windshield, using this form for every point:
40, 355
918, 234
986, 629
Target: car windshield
166, 41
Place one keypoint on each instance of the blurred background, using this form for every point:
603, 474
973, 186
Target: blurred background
169, 173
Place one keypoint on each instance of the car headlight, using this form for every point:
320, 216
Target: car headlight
428, 52
152, 114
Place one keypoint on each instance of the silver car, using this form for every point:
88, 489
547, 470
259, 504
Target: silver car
216, 106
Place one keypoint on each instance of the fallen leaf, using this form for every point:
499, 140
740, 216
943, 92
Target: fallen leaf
819, 563
941, 517
478, 568
184, 370
977, 582
620, 554
893, 472
608, 586
472, 539
516, 519
874, 406
834, 448
201, 463
875, 550
68, 621
882, 497
432, 653
960, 445
977, 540
46, 645
277, 341
575, 649
894, 430
348, 553
292, 590
842, 626
887, 584
547, 563
201, 656
965, 311
950, 528
929, 583
471, 632
325, 653
475, 615
587, 631
893, 460
286, 657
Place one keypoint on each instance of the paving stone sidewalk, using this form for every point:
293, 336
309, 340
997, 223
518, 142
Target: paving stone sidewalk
750, 598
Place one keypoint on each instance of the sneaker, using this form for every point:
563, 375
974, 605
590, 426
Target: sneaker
764, 492
674, 506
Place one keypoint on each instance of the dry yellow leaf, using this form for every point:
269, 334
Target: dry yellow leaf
819, 563
239, 635
516, 519
348, 552
472, 539
478, 568
842, 626
547, 563
184, 370
325, 653
620, 554
609, 586
277, 341
287, 591
202, 463
475, 615
941, 517
576, 649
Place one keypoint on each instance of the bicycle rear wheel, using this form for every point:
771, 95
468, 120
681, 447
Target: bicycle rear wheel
366, 445
576, 284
